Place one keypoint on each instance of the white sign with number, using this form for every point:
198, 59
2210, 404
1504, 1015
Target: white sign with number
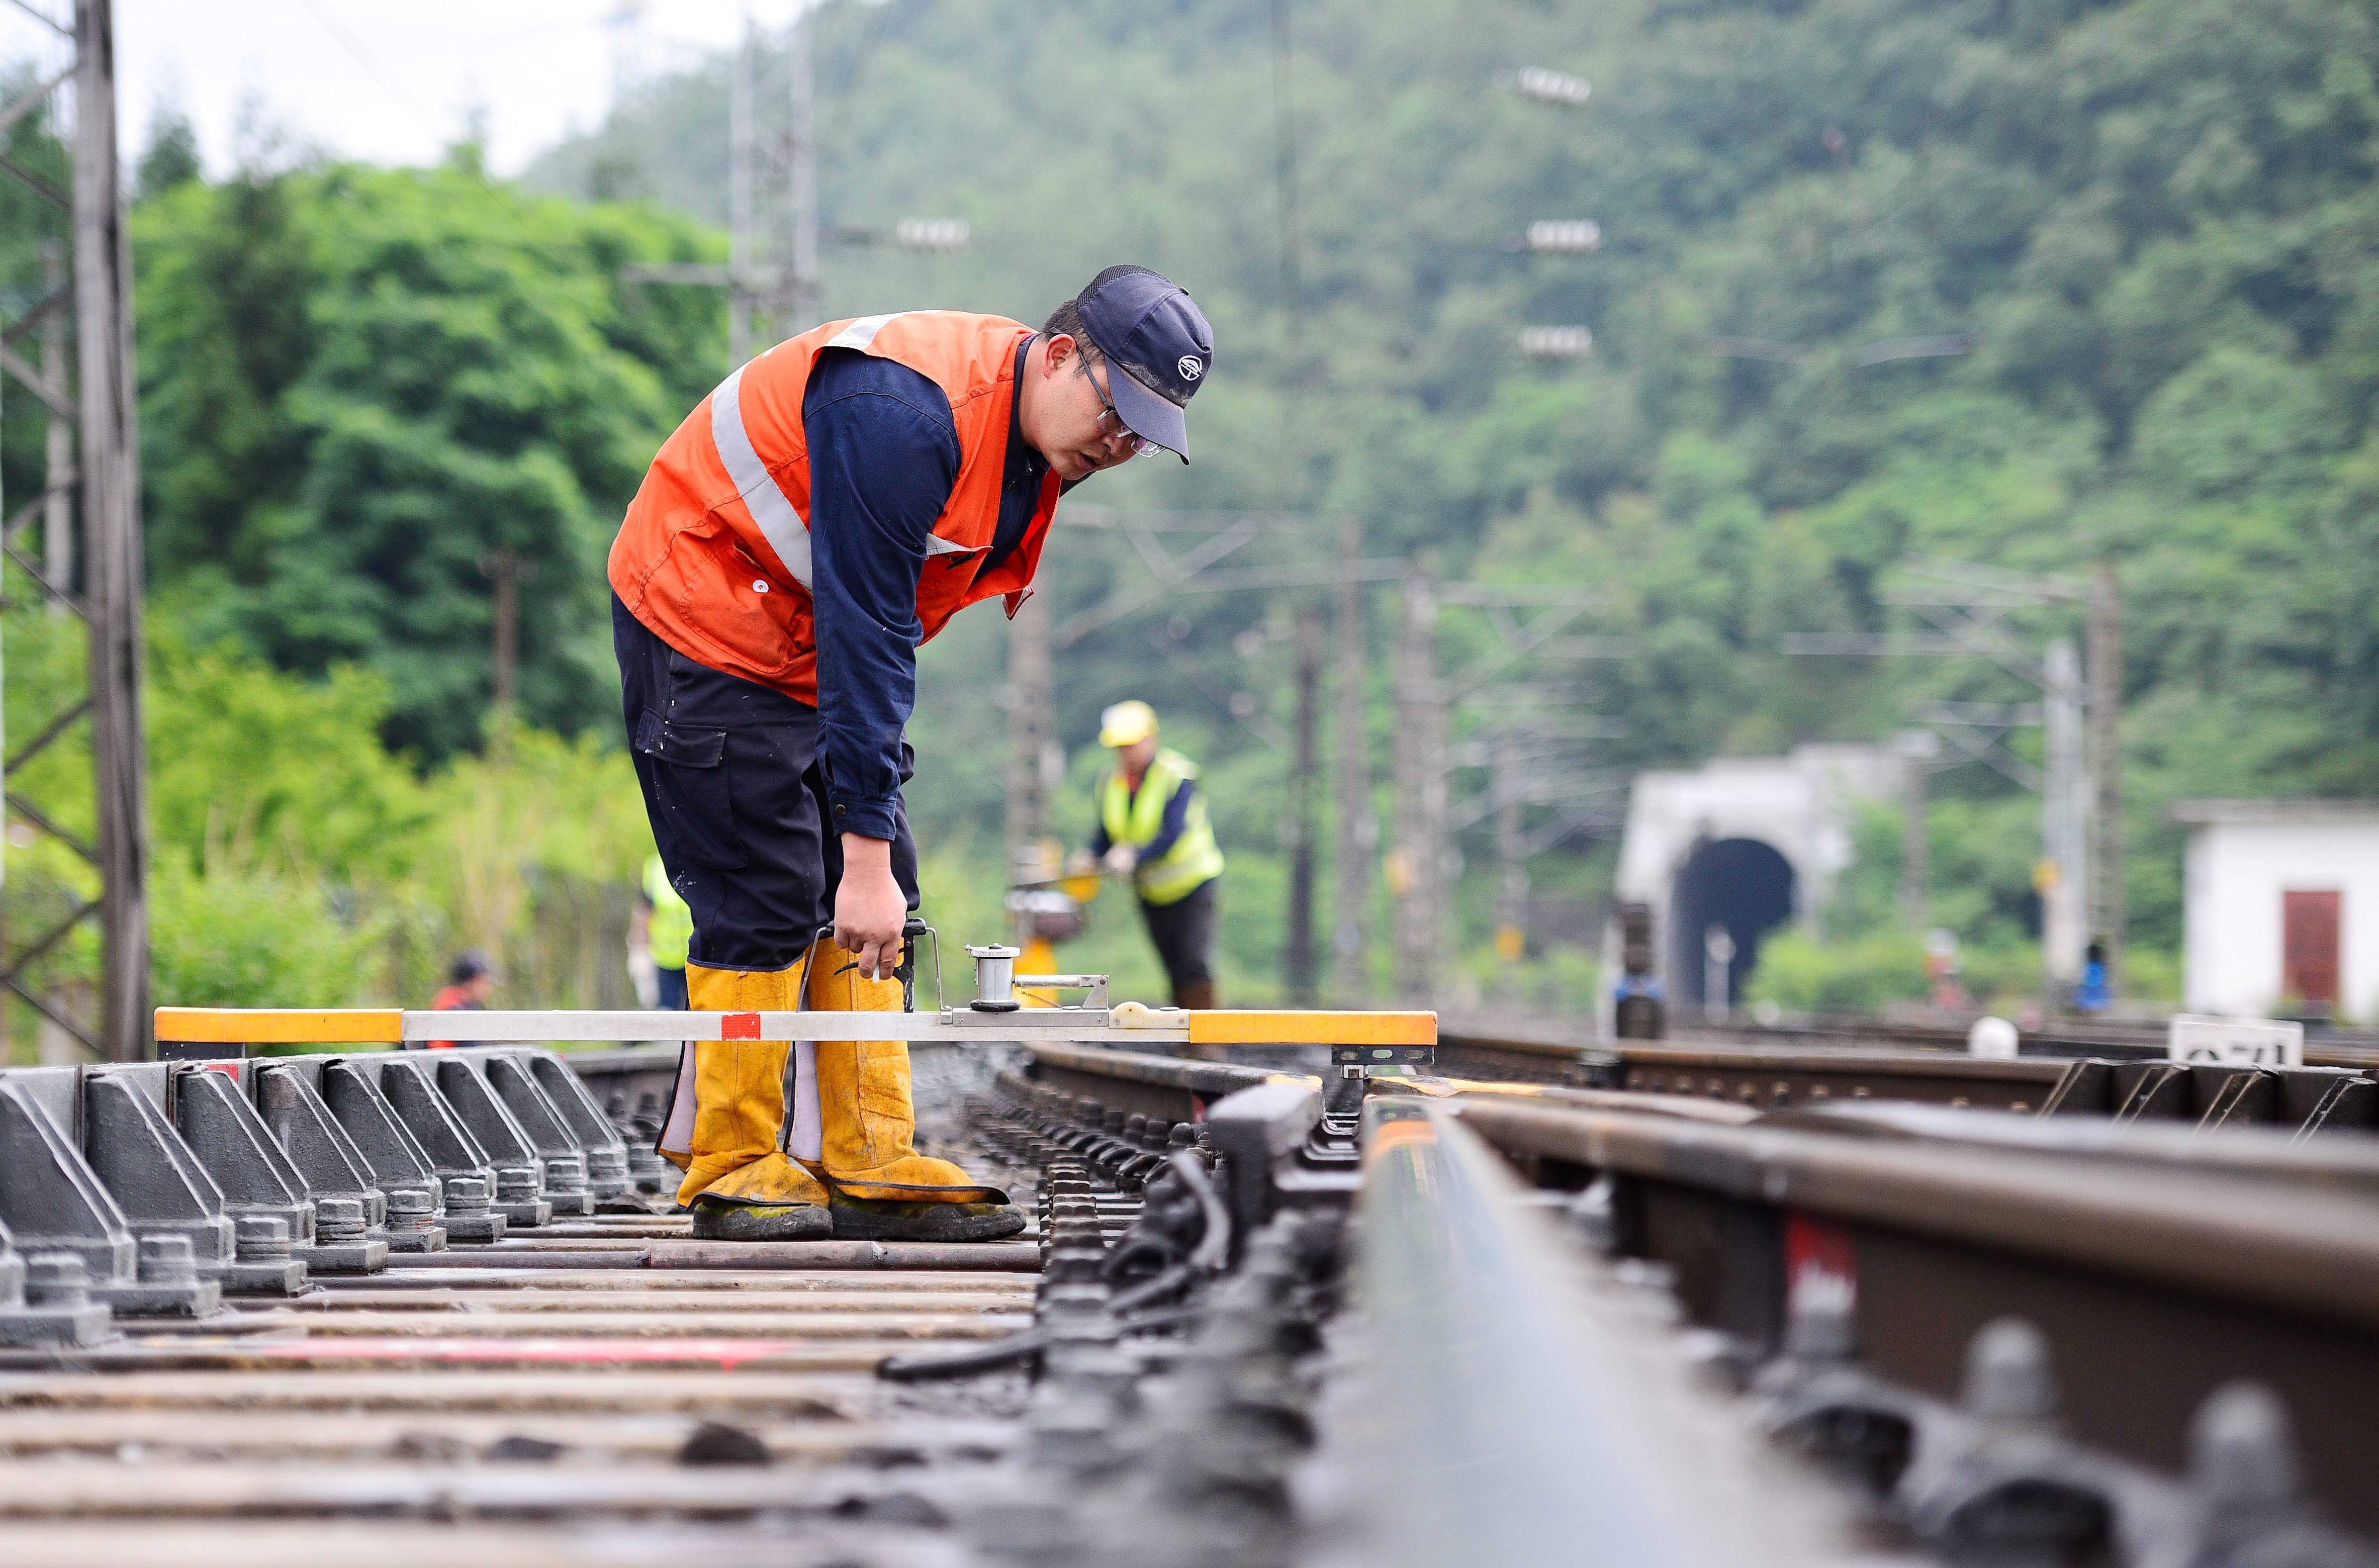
2247, 1042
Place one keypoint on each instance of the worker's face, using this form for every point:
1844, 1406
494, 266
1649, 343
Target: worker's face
1139, 754
1068, 418
480, 987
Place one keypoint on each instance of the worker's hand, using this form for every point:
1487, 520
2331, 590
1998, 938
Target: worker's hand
1081, 863
1122, 861
869, 907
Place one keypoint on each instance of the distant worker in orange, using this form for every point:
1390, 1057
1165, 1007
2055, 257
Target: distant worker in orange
468, 985
1154, 827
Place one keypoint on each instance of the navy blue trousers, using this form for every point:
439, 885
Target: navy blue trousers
737, 791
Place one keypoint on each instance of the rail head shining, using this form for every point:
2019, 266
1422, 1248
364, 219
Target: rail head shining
1127, 1025
1515, 1406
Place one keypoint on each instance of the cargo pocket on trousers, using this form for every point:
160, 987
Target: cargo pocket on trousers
689, 791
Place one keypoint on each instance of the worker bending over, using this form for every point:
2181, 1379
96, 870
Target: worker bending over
1153, 827
831, 506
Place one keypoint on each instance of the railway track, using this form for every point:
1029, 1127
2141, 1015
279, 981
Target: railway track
2113, 1074
1563, 1322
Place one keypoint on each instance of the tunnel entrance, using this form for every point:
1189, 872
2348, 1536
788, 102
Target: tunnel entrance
1741, 884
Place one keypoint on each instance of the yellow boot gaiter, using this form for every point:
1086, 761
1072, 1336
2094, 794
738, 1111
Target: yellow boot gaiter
866, 1119
739, 1097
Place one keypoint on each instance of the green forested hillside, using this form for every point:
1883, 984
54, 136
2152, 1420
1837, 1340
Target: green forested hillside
2149, 227
2153, 223
360, 385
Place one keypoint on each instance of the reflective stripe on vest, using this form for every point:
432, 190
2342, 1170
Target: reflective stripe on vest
780, 524
1137, 819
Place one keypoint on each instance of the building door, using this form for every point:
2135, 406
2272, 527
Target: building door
2309, 946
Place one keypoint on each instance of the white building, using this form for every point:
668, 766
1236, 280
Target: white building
1747, 843
2281, 911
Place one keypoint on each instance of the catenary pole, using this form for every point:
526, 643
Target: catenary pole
2107, 770
2063, 878
743, 181
801, 283
1303, 962
1506, 782
1358, 831
111, 490
1420, 794
1028, 726
57, 444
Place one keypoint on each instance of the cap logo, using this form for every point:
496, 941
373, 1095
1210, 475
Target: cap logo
1190, 367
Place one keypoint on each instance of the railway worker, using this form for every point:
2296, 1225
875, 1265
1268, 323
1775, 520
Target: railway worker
1153, 827
661, 928
831, 506
469, 982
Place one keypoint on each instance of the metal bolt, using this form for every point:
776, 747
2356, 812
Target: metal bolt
57, 1279
516, 1184
263, 1238
338, 1219
409, 1208
466, 1195
2240, 1452
2007, 1375
1819, 1325
167, 1260
1070, 1435
1074, 1298
566, 1172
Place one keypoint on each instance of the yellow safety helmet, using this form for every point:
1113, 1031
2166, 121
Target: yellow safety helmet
1127, 724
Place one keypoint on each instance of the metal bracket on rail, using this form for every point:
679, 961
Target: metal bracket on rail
996, 982
1352, 1067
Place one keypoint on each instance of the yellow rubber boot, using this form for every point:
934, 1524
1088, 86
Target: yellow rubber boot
740, 1185
881, 1189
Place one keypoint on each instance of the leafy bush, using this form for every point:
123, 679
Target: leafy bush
1859, 975
256, 939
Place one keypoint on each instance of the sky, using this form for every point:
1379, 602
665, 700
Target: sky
388, 81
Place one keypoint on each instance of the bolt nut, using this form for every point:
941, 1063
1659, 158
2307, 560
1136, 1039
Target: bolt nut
167, 1260
57, 1279
516, 1184
2008, 1374
566, 1172
338, 1219
466, 1195
1071, 1267
409, 1208
263, 1238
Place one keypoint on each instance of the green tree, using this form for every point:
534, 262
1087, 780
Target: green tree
359, 386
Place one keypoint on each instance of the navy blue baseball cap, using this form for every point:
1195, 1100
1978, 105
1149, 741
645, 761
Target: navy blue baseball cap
1151, 330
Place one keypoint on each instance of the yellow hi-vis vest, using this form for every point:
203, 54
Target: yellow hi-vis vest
670, 930
1194, 858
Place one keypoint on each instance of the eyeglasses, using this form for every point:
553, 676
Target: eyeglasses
1110, 422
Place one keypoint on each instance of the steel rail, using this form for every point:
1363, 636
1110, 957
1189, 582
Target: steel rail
1504, 1410
2159, 1263
2317, 1254
2154, 1285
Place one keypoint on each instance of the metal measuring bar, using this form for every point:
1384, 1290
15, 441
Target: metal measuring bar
1127, 1025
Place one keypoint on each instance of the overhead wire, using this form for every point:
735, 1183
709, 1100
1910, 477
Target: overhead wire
362, 55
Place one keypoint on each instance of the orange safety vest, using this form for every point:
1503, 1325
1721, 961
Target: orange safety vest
715, 554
